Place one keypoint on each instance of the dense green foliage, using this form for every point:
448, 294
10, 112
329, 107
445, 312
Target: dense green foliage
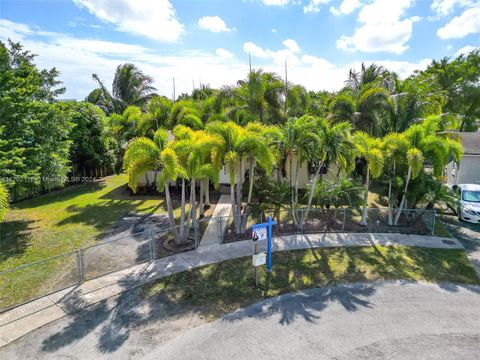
257, 125
34, 144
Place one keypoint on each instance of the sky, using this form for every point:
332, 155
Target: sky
209, 42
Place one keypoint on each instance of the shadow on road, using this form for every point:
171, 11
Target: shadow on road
308, 304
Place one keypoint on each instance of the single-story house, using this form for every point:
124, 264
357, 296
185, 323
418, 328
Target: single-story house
467, 171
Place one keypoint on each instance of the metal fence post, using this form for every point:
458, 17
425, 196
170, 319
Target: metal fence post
344, 218
80, 265
433, 220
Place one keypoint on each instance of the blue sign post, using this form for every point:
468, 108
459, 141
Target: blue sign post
268, 226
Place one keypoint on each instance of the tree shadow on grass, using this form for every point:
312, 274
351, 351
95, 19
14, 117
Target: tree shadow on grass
14, 238
102, 216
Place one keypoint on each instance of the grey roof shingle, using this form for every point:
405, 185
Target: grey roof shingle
471, 142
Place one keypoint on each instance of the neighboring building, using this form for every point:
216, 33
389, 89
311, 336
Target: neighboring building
467, 171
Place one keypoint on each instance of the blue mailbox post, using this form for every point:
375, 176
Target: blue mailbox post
268, 225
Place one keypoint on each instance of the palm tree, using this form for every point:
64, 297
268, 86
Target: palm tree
144, 154
334, 146
197, 153
130, 87
425, 143
3, 201
369, 149
410, 101
299, 140
157, 116
364, 99
123, 127
394, 146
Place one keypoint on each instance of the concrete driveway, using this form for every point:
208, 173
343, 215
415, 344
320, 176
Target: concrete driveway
392, 320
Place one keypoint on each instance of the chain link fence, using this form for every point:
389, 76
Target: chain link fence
32, 281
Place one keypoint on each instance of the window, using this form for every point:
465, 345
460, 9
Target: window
472, 196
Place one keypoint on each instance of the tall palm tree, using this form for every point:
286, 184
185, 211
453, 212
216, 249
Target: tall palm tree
369, 148
394, 146
157, 116
197, 153
144, 154
426, 144
130, 87
410, 101
334, 146
364, 100
3, 201
122, 128
300, 140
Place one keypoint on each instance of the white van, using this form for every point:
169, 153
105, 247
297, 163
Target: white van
469, 204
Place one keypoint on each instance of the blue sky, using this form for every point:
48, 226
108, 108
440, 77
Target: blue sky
209, 41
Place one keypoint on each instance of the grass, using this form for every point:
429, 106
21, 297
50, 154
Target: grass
66, 220
57, 223
224, 287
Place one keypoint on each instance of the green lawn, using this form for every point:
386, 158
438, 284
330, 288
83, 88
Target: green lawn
66, 220
224, 287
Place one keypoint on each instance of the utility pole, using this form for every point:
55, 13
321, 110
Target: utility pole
250, 62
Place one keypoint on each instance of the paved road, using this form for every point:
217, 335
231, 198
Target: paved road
363, 321
375, 320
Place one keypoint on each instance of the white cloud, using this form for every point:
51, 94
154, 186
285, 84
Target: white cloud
213, 24
291, 45
275, 2
465, 50
383, 28
460, 26
77, 58
289, 53
346, 7
274, 30
314, 6
446, 7
155, 19
224, 54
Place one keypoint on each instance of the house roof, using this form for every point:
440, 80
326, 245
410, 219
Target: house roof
471, 142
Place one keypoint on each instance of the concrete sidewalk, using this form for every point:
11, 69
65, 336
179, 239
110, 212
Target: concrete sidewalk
23, 319
216, 227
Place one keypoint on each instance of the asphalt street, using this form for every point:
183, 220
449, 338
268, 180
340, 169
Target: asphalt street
393, 320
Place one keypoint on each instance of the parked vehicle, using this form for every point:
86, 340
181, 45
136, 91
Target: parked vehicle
469, 202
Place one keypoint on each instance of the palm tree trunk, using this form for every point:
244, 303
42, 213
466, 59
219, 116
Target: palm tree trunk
239, 197
390, 204
201, 205
250, 187
182, 211
297, 164
399, 212
193, 203
312, 190
207, 192
171, 216
363, 222
234, 207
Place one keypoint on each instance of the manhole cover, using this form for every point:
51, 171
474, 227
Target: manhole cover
448, 242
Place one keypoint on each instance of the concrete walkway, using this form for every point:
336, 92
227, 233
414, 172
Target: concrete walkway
23, 319
216, 227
